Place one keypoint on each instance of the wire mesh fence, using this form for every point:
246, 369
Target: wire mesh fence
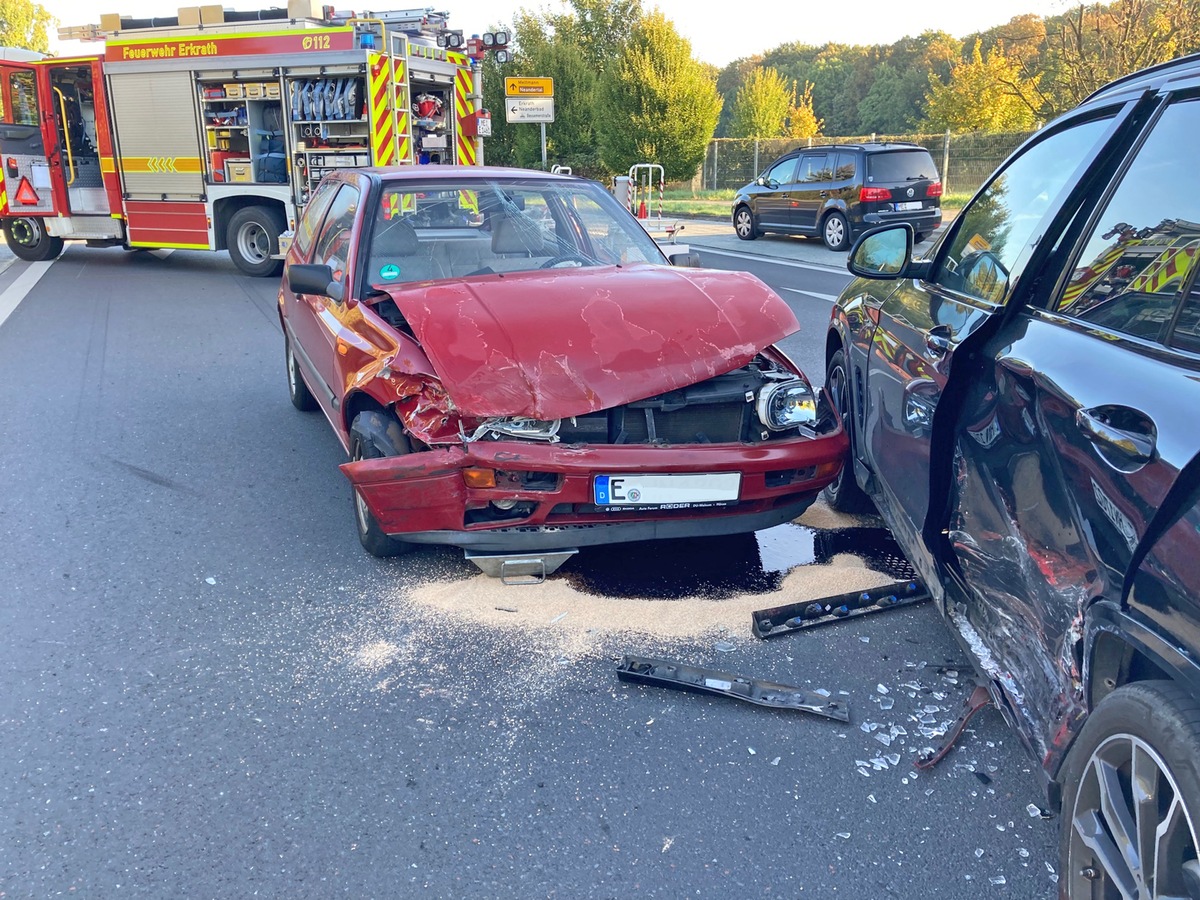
964, 160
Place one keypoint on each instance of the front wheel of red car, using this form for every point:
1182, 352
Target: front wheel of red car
843, 493
1131, 801
298, 391
374, 435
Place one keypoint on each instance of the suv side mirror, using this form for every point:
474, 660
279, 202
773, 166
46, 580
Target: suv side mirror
311, 279
886, 254
761, 180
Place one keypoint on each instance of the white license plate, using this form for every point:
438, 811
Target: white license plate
907, 205
661, 490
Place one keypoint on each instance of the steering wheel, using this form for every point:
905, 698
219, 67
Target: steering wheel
555, 261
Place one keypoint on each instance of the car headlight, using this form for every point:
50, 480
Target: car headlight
517, 427
788, 404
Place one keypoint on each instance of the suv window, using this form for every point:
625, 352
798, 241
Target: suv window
844, 169
1139, 260
782, 171
899, 166
995, 228
814, 167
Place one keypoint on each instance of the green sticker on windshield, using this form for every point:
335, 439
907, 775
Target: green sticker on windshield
389, 273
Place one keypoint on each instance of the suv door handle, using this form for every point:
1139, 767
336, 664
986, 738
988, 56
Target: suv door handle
1135, 446
824, 194
937, 341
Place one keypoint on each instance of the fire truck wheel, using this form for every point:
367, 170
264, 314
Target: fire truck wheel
27, 239
253, 237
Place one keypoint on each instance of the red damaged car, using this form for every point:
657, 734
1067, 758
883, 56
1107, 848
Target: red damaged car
514, 367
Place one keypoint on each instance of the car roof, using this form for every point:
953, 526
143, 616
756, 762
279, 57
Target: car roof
422, 173
865, 146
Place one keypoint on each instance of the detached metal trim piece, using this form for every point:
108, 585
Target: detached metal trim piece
768, 623
681, 677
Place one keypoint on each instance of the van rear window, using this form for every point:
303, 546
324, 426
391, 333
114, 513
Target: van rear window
900, 166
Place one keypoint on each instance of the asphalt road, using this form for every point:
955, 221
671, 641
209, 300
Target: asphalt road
208, 690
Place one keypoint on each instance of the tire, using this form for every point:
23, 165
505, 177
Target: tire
298, 391
1155, 727
918, 236
374, 435
835, 231
844, 494
252, 238
744, 224
28, 240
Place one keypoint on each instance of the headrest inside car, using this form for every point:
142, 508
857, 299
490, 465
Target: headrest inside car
397, 238
511, 234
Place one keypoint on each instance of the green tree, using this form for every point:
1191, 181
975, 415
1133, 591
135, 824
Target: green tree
984, 94
886, 109
802, 121
762, 106
662, 105
571, 137
25, 24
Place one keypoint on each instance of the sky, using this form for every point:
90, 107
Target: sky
719, 32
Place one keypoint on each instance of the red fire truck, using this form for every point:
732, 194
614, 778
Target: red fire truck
208, 130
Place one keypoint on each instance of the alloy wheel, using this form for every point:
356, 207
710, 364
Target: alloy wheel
1132, 835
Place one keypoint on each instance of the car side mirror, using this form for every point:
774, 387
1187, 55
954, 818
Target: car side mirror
313, 279
885, 253
761, 180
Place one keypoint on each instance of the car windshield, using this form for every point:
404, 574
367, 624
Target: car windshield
899, 166
464, 227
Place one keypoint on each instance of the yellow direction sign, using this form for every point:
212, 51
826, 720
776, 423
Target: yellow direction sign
528, 87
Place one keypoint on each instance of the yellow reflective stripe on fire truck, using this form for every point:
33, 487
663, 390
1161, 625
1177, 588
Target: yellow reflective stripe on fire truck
3, 199
1172, 266
383, 129
170, 165
465, 146
1089, 275
108, 165
171, 246
403, 104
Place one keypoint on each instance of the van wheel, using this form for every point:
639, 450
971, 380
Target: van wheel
836, 231
28, 239
374, 435
253, 238
744, 224
1131, 802
844, 494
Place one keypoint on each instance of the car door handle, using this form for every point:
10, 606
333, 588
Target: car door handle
937, 341
1134, 445
824, 194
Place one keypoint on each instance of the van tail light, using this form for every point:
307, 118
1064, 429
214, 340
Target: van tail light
934, 190
873, 194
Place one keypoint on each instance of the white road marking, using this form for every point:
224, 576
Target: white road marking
828, 298
16, 292
773, 259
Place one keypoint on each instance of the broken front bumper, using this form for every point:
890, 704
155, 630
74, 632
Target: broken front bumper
423, 497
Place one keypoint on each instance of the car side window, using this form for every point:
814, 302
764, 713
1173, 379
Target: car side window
783, 171
844, 169
815, 167
998, 224
314, 212
1139, 261
333, 247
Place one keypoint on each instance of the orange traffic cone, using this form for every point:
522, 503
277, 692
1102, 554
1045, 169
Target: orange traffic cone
642, 210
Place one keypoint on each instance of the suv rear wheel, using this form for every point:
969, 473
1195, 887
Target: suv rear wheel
744, 224
836, 231
1131, 803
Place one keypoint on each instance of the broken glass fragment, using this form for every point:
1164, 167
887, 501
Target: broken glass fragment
998, 879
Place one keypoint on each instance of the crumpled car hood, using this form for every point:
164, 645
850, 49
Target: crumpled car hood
566, 342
